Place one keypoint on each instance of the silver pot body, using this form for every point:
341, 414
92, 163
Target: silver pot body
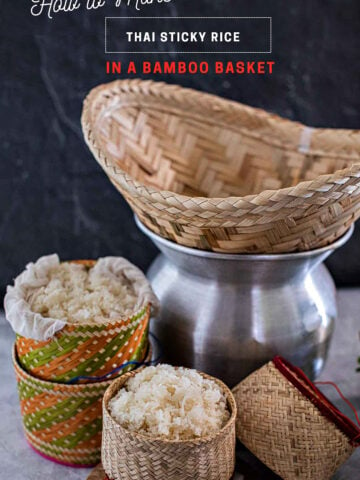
227, 314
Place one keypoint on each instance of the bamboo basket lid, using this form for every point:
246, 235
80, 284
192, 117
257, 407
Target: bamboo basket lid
290, 425
217, 175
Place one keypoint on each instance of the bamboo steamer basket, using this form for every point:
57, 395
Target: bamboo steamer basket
133, 456
63, 423
217, 175
290, 425
87, 349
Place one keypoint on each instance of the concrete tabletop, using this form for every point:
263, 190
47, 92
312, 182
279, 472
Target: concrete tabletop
19, 462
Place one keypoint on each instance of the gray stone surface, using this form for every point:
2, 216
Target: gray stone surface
19, 462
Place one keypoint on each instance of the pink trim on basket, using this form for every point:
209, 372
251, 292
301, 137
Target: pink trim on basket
298, 378
59, 462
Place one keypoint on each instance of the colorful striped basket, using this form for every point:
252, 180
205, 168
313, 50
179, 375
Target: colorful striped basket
63, 423
81, 351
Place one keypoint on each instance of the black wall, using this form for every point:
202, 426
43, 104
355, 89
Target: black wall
55, 198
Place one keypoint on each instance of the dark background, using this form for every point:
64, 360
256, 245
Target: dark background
55, 198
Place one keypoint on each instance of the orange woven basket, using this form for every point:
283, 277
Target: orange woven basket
62, 423
87, 349
214, 174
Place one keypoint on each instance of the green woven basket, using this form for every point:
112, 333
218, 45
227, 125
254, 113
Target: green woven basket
62, 422
87, 350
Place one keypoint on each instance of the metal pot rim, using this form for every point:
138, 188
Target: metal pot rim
157, 239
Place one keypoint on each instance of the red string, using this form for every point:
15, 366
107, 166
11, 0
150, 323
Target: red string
344, 398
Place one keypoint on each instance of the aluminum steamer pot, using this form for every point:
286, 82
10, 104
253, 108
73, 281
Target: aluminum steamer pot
228, 315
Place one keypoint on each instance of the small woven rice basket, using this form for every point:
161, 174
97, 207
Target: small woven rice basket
62, 422
290, 425
87, 349
217, 175
132, 456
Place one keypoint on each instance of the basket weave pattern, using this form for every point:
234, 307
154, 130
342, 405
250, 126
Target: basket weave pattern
91, 349
85, 350
62, 422
130, 456
217, 175
285, 430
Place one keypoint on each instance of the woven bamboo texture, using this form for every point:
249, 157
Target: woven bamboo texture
131, 456
98, 473
90, 350
217, 175
285, 430
62, 422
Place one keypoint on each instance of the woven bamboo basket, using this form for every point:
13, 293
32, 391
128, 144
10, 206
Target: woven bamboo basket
132, 456
217, 175
62, 422
290, 425
87, 350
